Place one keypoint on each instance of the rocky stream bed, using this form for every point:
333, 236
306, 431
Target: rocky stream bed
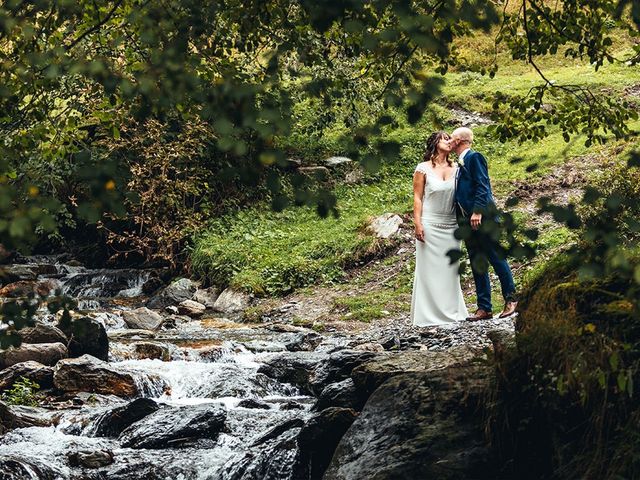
163, 381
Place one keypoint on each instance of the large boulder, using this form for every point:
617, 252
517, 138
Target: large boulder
232, 301
86, 336
318, 440
115, 421
371, 374
44, 353
89, 374
173, 426
173, 294
419, 425
143, 318
42, 333
34, 371
14, 467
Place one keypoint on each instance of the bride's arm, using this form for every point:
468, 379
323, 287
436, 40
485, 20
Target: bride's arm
419, 181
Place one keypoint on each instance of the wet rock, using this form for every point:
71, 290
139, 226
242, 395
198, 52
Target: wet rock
152, 285
231, 301
339, 394
12, 468
418, 425
172, 427
89, 374
134, 333
15, 273
307, 341
336, 367
291, 367
42, 333
386, 225
278, 430
318, 440
142, 318
34, 371
207, 296
371, 374
264, 346
152, 351
291, 405
174, 293
44, 353
87, 336
253, 403
15, 416
24, 288
90, 459
115, 421
191, 308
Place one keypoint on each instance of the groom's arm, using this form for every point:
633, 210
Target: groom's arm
480, 174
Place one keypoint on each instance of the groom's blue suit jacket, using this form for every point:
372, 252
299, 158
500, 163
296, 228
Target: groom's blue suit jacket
473, 188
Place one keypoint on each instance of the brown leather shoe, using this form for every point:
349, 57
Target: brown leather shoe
480, 315
509, 310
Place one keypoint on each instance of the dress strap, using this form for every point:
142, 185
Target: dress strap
422, 168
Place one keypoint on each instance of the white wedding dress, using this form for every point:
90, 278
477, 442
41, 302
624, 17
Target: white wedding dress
437, 296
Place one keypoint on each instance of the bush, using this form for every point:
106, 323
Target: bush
23, 392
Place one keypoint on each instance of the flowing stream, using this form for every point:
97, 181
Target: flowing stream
209, 362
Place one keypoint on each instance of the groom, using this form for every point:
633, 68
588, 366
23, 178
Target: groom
473, 198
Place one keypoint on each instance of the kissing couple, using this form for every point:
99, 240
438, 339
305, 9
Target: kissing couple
445, 195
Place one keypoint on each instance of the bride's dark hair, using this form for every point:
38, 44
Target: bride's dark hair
431, 151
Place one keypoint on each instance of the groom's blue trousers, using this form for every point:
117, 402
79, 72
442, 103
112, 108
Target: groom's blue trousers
481, 279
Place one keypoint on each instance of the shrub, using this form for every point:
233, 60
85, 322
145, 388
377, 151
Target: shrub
23, 392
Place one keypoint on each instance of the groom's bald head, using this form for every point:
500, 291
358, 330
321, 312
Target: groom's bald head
462, 139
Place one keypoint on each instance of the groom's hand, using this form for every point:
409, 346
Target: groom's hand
476, 220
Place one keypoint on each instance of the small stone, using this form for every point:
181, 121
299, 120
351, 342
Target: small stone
153, 351
231, 301
90, 459
386, 225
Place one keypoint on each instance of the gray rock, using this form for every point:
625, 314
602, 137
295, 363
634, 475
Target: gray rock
318, 440
132, 333
336, 367
34, 371
335, 161
89, 374
191, 308
86, 336
17, 468
253, 403
14, 416
371, 374
152, 350
386, 225
318, 172
116, 420
419, 425
207, 296
171, 427
231, 301
44, 353
90, 458
15, 273
41, 333
292, 367
339, 394
174, 293
306, 341
142, 318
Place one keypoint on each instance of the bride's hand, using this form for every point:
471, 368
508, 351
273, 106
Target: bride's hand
419, 233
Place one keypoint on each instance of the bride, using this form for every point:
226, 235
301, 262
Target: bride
437, 297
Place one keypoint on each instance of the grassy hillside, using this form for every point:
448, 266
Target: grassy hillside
273, 253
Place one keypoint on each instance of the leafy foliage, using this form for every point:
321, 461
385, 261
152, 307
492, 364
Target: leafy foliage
22, 393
